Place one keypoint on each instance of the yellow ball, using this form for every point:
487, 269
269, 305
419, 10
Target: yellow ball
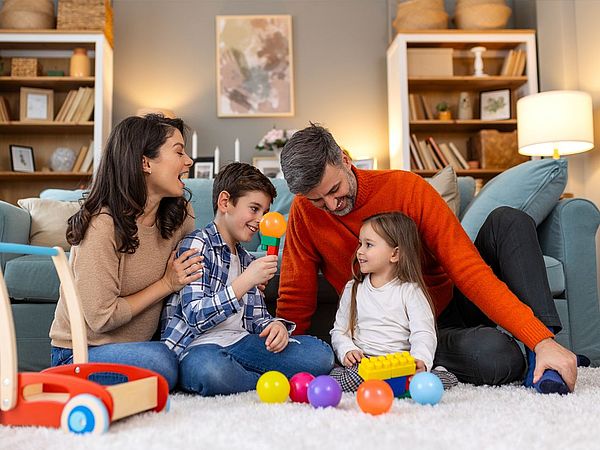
273, 387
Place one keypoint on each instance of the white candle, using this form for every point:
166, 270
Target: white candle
237, 151
194, 145
217, 156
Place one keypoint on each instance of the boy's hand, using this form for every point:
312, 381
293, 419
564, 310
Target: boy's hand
353, 357
183, 270
420, 366
277, 336
261, 270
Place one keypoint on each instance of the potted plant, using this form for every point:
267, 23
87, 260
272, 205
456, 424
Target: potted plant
444, 112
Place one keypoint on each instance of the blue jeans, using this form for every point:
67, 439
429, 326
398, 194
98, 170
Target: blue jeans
210, 369
153, 355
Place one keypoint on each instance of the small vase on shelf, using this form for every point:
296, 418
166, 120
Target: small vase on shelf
80, 63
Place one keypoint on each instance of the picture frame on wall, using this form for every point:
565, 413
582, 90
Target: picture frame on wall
495, 105
255, 76
270, 166
21, 158
203, 167
367, 164
36, 105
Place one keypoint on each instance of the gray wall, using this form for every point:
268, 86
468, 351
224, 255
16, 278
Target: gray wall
167, 59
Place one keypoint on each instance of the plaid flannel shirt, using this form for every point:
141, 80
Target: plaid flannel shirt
206, 302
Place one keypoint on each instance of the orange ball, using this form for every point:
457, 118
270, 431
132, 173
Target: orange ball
375, 397
273, 224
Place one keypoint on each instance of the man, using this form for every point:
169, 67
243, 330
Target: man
333, 198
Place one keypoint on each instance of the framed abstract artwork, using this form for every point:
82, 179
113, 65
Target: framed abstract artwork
255, 76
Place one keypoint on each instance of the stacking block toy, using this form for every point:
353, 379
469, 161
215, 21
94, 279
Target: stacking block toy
394, 368
272, 227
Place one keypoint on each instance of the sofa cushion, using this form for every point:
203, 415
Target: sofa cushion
49, 221
32, 277
533, 187
63, 195
556, 275
446, 184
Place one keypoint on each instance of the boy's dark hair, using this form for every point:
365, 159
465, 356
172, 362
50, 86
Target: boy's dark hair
238, 179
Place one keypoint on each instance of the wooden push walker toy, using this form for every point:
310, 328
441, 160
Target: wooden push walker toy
63, 396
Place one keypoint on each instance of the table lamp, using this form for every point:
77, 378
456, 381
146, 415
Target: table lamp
555, 123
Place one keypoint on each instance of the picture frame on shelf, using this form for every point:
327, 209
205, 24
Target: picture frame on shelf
21, 158
495, 105
203, 167
255, 76
36, 105
270, 166
366, 164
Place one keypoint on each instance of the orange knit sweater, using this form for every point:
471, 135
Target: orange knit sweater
319, 240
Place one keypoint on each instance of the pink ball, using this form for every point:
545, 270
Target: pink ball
299, 387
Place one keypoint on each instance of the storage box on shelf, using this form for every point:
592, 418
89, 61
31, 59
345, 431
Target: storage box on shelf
416, 86
82, 112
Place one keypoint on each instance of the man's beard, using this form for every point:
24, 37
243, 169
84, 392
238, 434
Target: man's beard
351, 197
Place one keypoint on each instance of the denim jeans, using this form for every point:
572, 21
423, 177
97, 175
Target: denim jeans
210, 369
150, 355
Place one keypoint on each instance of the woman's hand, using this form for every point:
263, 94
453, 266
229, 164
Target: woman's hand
183, 270
277, 336
353, 357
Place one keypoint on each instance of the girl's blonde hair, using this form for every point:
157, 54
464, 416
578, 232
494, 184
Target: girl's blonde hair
397, 230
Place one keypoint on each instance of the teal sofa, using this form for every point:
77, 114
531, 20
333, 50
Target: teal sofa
567, 236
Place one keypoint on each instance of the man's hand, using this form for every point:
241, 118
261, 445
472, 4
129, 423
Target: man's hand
353, 357
277, 336
551, 355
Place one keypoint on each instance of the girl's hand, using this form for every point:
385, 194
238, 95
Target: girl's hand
183, 270
420, 366
277, 336
353, 357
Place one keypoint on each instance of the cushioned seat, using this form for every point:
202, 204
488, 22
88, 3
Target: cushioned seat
32, 277
556, 275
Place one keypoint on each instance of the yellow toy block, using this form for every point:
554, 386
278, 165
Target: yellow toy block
392, 365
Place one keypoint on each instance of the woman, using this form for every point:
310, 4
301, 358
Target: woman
123, 241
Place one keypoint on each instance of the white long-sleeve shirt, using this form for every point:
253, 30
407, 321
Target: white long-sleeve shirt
392, 318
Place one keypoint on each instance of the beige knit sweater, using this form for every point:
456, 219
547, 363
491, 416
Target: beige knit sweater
104, 276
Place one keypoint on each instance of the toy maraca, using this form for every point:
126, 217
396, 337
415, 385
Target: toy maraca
272, 227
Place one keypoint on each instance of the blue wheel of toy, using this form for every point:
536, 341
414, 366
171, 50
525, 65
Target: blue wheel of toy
83, 414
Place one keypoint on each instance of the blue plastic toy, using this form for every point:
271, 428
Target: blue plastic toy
426, 388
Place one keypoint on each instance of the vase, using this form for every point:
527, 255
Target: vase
80, 63
445, 115
465, 108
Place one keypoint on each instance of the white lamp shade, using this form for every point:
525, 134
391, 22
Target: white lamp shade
561, 120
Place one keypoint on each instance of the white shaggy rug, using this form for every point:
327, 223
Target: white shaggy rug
468, 417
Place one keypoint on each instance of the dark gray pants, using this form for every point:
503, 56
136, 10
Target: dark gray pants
469, 344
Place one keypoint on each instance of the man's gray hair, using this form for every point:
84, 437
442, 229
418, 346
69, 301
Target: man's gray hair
305, 157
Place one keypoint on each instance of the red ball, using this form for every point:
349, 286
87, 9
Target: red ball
299, 387
375, 397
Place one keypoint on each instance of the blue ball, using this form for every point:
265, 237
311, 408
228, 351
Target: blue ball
426, 388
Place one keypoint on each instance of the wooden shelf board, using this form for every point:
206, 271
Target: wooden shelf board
41, 176
46, 127
485, 174
466, 83
59, 83
457, 126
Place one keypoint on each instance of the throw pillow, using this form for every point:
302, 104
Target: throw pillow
49, 221
533, 187
446, 184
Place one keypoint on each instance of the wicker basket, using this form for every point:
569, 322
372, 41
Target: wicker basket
24, 67
27, 14
422, 20
482, 17
96, 15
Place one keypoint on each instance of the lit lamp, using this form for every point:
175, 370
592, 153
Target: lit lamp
555, 123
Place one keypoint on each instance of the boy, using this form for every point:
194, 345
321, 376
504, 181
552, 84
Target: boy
219, 325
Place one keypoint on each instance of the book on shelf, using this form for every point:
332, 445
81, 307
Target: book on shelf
414, 154
507, 63
4, 110
422, 152
70, 113
519, 63
88, 161
459, 156
83, 112
438, 153
454, 162
412, 107
62, 112
426, 108
514, 63
80, 157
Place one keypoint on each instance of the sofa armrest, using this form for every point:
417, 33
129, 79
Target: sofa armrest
569, 235
14, 227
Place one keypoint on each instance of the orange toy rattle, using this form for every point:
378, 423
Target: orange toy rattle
272, 227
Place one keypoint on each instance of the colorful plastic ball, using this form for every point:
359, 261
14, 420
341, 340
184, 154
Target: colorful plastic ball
324, 391
273, 387
426, 388
299, 387
273, 224
375, 397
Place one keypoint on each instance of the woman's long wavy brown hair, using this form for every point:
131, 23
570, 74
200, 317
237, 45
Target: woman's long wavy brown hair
120, 184
397, 230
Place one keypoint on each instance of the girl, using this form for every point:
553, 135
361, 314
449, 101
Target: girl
386, 307
123, 241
